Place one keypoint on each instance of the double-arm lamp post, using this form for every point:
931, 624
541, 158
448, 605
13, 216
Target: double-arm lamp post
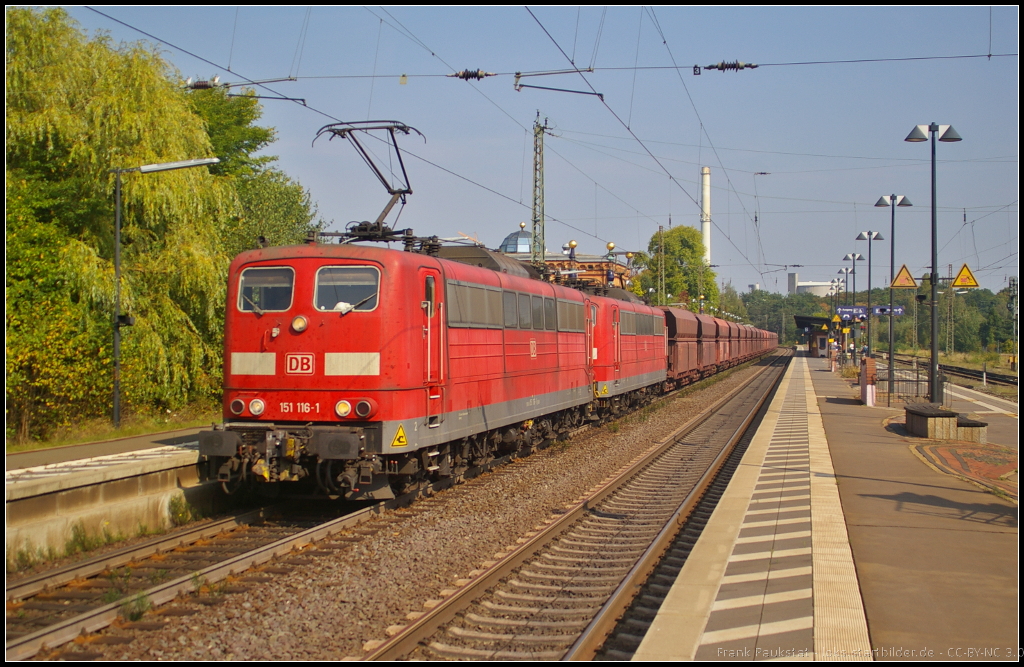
869, 236
943, 133
124, 320
846, 284
892, 201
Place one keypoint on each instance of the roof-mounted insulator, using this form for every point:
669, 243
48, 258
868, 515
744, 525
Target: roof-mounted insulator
736, 65
466, 74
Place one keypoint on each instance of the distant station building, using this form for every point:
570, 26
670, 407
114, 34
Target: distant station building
566, 265
815, 331
807, 286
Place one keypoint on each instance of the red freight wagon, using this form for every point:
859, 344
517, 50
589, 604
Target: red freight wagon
683, 341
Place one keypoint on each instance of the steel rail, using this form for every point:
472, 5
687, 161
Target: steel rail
29, 586
407, 639
973, 374
96, 619
594, 636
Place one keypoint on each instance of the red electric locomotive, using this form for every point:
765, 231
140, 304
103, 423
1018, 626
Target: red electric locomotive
361, 370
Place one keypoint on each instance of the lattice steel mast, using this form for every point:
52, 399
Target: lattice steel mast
537, 241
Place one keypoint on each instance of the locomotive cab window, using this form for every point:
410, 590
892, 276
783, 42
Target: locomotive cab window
265, 289
341, 287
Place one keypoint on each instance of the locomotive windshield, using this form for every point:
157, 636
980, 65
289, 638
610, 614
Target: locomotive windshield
262, 289
347, 288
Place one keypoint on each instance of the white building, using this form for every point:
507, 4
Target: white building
815, 288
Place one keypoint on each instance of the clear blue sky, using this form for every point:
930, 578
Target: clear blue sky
830, 136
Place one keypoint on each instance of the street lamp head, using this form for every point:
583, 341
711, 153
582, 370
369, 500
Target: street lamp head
882, 201
184, 164
919, 133
902, 201
854, 256
947, 133
869, 236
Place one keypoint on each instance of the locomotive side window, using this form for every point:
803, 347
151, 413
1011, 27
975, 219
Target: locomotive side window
628, 323
538, 312
341, 286
473, 306
265, 289
549, 315
570, 316
525, 321
511, 310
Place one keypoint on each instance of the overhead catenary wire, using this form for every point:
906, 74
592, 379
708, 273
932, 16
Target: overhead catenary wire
410, 35
331, 117
721, 164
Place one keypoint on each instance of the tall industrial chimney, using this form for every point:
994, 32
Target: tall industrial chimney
705, 211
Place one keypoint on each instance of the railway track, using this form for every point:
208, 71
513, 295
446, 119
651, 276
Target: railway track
560, 594
56, 606
969, 373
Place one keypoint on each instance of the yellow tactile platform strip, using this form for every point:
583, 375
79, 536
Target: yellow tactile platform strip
770, 578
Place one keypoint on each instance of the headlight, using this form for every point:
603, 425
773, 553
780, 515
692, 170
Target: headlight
364, 408
237, 406
300, 323
257, 406
343, 408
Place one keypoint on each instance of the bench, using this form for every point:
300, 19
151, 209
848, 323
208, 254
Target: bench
929, 421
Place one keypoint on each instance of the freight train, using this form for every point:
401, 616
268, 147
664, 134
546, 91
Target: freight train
360, 371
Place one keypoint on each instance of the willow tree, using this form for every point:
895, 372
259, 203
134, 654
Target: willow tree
271, 205
76, 109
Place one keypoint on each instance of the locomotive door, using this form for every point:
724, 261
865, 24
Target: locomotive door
431, 308
616, 342
590, 317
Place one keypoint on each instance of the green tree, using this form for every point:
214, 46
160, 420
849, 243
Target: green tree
681, 251
730, 302
76, 109
271, 205
233, 135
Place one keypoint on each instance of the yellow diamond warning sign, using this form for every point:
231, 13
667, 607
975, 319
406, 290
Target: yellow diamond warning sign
903, 279
400, 439
965, 278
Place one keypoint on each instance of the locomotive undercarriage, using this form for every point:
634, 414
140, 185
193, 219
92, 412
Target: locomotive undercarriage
266, 455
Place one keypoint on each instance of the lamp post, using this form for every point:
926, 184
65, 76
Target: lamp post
125, 320
869, 236
854, 258
943, 133
892, 201
846, 284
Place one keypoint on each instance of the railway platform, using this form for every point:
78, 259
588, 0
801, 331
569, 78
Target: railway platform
116, 487
838, 540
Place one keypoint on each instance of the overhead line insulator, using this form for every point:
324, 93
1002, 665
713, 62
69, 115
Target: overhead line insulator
736, 65
466, 74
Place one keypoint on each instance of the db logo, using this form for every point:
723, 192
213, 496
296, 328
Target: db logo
299, 364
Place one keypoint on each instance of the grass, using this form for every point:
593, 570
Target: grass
93, 430
79, 542
181, 512
132, 609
